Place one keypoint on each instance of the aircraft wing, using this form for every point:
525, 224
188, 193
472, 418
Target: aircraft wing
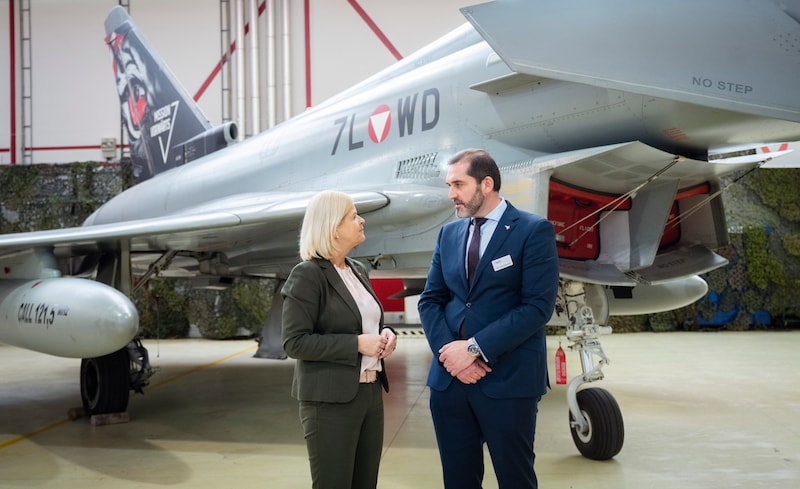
672, 57
268, 220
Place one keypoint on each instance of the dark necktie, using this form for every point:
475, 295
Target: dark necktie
473, 253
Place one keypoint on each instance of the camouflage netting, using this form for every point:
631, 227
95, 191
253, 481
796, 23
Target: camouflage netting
756, 288
39, 197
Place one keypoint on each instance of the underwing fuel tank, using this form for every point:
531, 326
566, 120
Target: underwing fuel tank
66, 317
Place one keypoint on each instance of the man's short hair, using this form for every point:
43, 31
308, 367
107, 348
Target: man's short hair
481, 165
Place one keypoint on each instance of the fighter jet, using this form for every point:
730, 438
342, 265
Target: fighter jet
617, 120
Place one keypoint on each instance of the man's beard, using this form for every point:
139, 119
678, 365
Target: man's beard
472, 206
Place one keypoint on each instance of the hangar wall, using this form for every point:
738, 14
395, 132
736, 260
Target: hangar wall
73, 103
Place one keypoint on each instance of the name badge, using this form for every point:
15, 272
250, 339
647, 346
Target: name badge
502, 262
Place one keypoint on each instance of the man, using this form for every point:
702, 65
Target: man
489, 366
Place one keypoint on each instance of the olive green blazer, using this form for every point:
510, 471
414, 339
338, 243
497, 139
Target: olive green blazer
321, 324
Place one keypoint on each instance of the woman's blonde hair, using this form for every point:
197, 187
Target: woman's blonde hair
324, 213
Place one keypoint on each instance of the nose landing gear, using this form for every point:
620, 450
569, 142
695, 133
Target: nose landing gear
595, 419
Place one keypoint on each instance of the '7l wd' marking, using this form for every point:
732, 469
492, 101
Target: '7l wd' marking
380, 120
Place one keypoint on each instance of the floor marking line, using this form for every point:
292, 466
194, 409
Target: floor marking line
56, 424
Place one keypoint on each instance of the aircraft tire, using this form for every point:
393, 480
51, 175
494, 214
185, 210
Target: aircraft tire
105, 383
606, 433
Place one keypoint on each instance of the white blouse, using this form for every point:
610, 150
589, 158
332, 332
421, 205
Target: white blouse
369, 309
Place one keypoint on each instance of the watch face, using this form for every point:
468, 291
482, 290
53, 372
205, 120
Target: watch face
473, 350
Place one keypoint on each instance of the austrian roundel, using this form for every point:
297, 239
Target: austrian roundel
379, 123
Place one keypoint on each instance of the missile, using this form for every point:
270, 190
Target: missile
66, 317
749, 153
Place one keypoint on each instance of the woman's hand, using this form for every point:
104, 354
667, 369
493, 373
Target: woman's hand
391, 342
372, 345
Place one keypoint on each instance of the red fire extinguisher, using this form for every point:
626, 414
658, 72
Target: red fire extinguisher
561, 366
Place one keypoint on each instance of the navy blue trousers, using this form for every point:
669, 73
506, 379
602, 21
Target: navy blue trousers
464, 419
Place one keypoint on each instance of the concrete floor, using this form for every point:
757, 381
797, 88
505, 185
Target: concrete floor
701, 410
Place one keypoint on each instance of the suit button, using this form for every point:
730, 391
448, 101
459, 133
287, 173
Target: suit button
468, 305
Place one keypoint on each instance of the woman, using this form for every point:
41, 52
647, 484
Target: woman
333, 327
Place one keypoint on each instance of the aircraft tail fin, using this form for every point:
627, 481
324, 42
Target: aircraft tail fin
165, 126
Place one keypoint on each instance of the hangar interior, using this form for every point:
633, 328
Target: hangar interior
57, 85
702, 410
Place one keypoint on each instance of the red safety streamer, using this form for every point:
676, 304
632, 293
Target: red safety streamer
561, 366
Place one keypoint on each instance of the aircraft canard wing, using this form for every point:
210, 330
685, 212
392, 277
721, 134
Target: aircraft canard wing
271, 219
751, 67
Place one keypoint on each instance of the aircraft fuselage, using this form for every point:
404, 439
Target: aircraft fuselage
387, 133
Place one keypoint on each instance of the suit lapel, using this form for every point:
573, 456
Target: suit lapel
357, 270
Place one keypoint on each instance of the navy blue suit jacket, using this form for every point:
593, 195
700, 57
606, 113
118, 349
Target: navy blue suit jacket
506, 309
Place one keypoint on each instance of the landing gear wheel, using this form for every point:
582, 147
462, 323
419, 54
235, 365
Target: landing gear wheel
606, 432
105, 383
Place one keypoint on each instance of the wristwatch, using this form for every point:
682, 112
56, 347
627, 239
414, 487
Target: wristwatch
472, 348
